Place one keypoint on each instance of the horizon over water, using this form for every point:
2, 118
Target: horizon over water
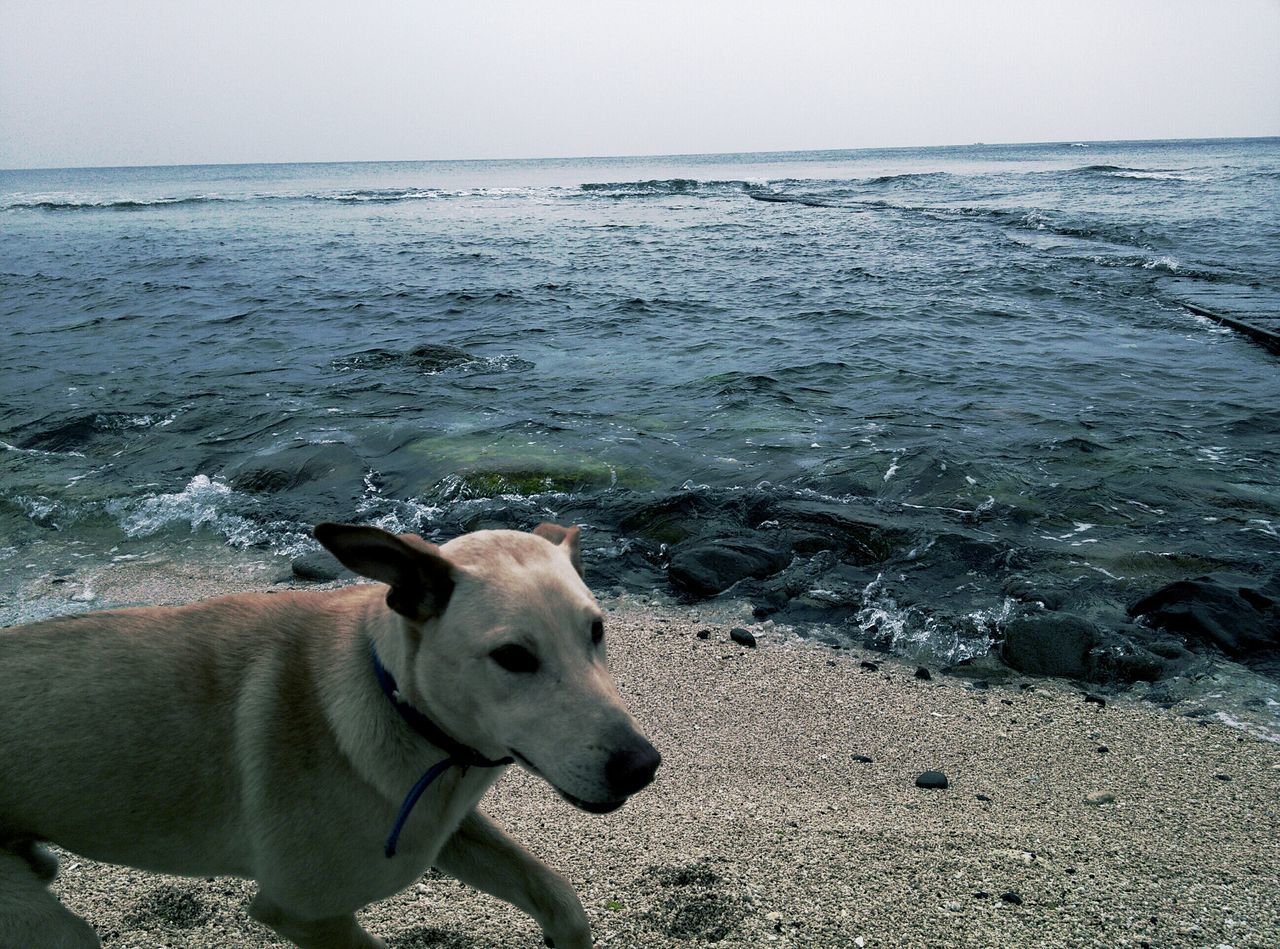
939, 387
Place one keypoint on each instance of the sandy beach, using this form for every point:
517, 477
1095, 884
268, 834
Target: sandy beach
765, 827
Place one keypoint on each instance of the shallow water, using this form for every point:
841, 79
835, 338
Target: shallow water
968, 347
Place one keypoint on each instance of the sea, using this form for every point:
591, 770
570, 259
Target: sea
961, 370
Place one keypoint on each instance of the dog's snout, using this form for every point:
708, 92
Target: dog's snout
631, 768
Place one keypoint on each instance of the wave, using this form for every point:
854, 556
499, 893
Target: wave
659, 187
362, 196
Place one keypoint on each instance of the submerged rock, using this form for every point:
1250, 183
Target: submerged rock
742, 637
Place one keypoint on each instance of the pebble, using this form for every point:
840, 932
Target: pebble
1103, 749
1095, 699
1098, 798
923, 674
982, 797
869, 666
932, 780
742, 637
704, 634
862, 759
1011, 897
1223, 777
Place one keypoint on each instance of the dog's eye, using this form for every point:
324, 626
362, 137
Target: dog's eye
515, 658
597, 631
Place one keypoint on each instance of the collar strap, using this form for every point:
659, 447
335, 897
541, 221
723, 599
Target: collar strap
460, 755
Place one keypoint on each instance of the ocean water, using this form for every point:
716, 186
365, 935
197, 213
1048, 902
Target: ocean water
965, 359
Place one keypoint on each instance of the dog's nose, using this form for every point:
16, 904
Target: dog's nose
631, 768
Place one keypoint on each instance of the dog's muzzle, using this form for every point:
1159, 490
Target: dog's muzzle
627, 771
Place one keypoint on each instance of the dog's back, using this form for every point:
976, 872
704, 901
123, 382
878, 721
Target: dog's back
149, 686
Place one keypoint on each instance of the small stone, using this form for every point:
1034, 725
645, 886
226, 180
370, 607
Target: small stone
982, 797
869, 666
862, 759
1011, 897
1103, 749
1006, 701
704, 634
742, 637
982, 895
932, 780
923, 674
953, 906
1095, 699
1223, 777
1098, 798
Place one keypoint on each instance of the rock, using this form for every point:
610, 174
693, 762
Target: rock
704, 568
980, 684
1223, 777
862, 759
866, 666
932, 780
319, 566
742, 637
1103, 749
1095, 699
1098, 798
332, 466
1011, 897
924, 674
704, 634
982, 797
1052, 644
1236, 616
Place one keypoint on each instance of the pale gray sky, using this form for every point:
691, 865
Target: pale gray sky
97, 82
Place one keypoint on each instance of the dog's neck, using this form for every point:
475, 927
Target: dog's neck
420, 722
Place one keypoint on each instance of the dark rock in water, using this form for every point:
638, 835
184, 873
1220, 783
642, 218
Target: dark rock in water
742, 637
333, 465
862, 759
1239, 618
1012, 898
429, 357
319, 566
1053, 644
932, 780
924, 674
866, 666
1122, 660
1094, 698
704, 634
707, 567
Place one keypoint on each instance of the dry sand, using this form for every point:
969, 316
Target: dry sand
763, 829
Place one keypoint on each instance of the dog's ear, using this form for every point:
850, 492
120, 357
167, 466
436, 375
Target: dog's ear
566, 537
420, 577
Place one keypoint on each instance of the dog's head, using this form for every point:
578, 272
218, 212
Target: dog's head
503, 646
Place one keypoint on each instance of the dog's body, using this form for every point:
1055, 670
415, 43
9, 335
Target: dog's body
248, 735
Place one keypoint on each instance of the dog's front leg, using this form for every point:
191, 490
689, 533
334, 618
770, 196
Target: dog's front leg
482, 855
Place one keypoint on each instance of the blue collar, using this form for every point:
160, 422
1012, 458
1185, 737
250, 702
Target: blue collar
463, 756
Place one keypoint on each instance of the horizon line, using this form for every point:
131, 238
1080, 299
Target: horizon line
649, 156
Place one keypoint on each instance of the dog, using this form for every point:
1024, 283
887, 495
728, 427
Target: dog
329, 745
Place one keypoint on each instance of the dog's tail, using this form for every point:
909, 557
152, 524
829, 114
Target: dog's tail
31, 916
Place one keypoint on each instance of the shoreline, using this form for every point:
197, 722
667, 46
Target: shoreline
763, 828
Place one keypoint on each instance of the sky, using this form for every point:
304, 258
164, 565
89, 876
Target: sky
143, 82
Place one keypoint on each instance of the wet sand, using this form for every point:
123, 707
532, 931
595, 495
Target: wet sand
762, 828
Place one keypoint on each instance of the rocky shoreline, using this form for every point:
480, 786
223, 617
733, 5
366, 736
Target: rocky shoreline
797, 807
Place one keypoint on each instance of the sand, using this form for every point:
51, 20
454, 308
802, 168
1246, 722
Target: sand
763, 829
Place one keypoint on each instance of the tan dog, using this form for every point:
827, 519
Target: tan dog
254, 736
